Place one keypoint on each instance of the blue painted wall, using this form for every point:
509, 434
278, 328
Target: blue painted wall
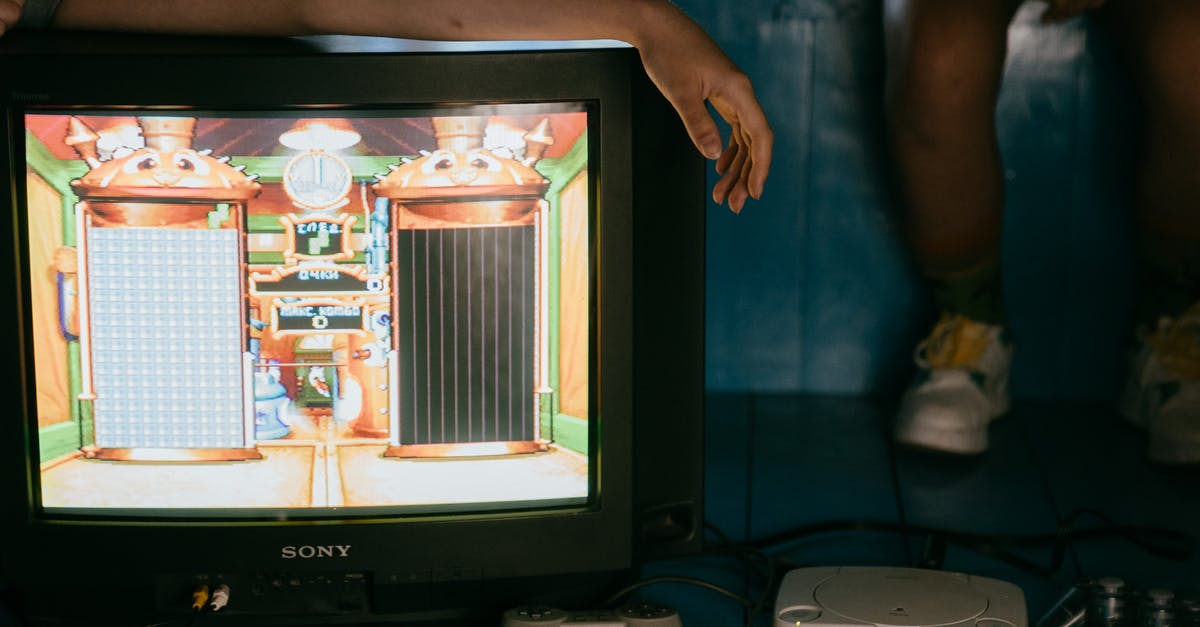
810, 290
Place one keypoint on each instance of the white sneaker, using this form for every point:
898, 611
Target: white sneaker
961, 385
1163, 389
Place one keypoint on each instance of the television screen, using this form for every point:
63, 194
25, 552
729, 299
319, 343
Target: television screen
279, 314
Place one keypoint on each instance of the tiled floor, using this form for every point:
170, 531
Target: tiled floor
777, 464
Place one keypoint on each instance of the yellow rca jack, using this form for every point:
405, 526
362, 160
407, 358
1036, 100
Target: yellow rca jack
199, 597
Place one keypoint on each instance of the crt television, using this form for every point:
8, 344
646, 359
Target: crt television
350, 327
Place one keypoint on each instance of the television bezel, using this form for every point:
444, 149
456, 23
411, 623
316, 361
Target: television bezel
77, 70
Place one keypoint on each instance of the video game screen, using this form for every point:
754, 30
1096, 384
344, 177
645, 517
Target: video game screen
305, 314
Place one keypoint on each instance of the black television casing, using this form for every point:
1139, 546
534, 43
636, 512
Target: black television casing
647, 332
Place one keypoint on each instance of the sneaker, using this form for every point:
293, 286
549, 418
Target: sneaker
960, 387
1163, 390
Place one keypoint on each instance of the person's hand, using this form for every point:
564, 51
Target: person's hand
10, 12
1062, 10
689, 69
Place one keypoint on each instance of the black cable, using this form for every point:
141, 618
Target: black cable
1157, 541
897, 489
764, 565
691, 581
756, 559
933, 553
799, 533
770, 584
760, 562
722, 537
1048, 490
1143, 537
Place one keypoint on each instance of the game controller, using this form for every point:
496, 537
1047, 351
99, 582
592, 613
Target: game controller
632, 615
1113, 601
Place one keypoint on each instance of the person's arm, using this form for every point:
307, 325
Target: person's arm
685, 64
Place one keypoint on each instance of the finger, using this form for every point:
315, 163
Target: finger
746, 168
721, 189
723, 186
737, 198
737, 159
727, 157
761, 145
742, 110
727, 185
760, 151
742, 190
700, 126
739, 193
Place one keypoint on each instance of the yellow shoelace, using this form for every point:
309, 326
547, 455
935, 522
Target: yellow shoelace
955, 342
1177, 344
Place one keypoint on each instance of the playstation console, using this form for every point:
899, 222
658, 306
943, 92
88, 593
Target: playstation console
896, 597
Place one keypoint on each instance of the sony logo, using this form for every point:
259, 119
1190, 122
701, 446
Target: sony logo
309, 551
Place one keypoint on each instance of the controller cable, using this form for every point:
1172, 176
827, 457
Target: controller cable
762, 564
1157, 541
759, 554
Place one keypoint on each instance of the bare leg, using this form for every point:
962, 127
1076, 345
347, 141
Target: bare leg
1163, 38
945, 59
1164, 43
